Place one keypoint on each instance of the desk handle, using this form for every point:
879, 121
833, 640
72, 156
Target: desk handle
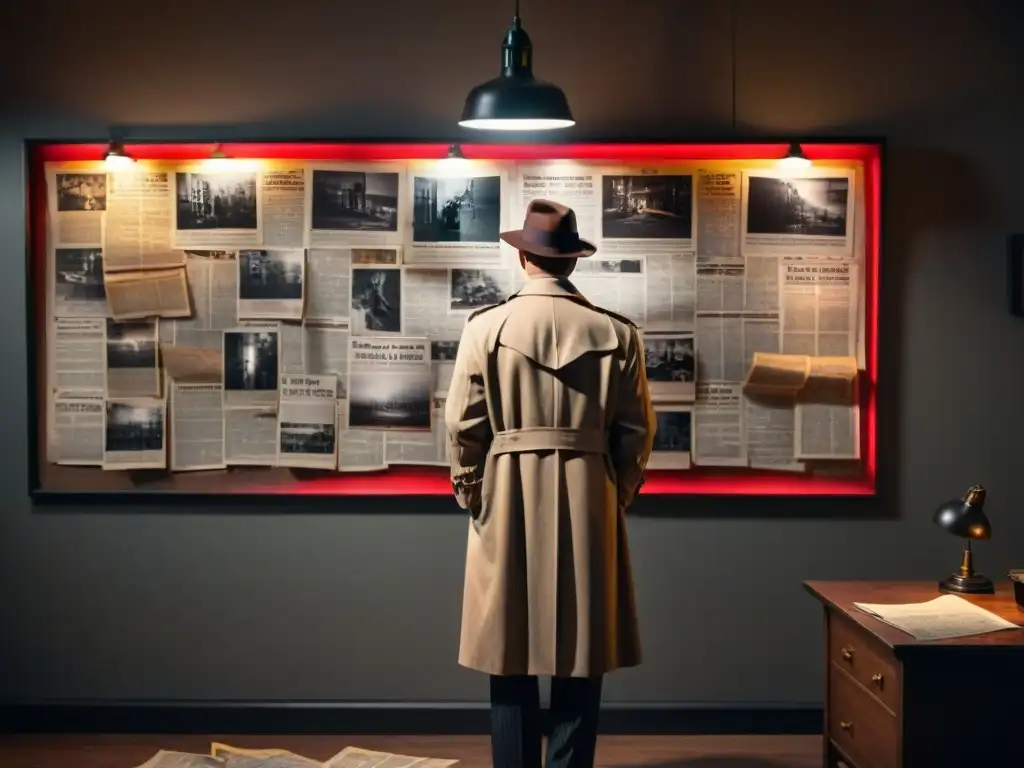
847, 652
846, 725
878, 679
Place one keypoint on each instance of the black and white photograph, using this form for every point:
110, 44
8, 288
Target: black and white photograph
390, 400
81, 192
814, 207
355, 201
475, 288
131, 345
594, 267
671, 366
456, 210
376, 301
307, 439
270, 283
78, 282
674, 431
444, 351
383, 256
217, 201
647, 207
132, 368
134, 433
251, 360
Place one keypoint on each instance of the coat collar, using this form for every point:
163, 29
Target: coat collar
557, 287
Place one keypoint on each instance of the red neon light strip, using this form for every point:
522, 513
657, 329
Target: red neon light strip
421, 481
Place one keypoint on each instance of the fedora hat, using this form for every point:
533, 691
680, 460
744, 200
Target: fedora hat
549, 230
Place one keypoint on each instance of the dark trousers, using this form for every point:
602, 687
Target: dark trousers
516, 729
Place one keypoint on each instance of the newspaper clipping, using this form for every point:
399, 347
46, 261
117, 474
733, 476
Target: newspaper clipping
359, 450
78, 200
154, 293
132, 360
134, 434
376, 301
473, 289
719, 435
329, 292
819, 308
672, 441
355, 204
78, 286
284, 199
390, 385
671, 366
718, 217
197, 431
270, 284
457, 214
137, 232
647, 210
573, 184
307, 421
251, 367
217, 209
618, 284
426, 448
79, 356
671, 302
810, 214
77, 431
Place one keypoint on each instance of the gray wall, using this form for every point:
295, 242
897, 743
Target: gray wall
188, 603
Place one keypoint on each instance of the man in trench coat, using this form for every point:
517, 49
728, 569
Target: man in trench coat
550, 426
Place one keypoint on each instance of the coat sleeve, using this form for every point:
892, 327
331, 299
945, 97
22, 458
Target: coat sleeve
467, 424
634, 423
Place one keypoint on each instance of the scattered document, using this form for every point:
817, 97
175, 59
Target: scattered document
353, 757
939, 619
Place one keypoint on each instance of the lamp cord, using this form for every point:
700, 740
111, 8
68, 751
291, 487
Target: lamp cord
734, 25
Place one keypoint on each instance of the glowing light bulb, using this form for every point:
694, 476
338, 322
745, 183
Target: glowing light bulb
795, 159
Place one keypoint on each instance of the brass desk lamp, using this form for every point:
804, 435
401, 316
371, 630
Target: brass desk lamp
966, 518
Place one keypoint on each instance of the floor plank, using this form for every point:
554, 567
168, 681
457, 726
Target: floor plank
128, 751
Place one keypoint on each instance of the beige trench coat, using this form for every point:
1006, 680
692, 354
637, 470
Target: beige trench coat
550, 426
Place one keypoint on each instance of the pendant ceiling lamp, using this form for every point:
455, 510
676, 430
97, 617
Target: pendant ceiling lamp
795, 158
516, 100
116, 157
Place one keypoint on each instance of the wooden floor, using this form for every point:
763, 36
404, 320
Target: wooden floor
122, 751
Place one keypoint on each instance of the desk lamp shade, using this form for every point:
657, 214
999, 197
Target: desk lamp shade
966, 518
516, 100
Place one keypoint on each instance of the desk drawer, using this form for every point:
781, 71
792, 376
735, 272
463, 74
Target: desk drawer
859, 725
865, 659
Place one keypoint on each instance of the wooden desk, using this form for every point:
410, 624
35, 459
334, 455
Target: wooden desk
895, 702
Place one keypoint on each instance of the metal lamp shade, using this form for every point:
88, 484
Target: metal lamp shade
516, 103
965, 517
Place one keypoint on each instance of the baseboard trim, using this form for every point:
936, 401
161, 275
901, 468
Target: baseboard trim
212, 717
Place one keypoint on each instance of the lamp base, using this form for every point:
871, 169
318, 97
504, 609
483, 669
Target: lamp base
967, 585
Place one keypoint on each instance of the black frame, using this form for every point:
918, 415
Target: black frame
1015, 274
860, 506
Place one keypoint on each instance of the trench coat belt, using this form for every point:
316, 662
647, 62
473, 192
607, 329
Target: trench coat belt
531, 439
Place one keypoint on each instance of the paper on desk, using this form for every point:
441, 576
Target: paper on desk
939, 619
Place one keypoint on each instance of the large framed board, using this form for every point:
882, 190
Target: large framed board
281, 319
